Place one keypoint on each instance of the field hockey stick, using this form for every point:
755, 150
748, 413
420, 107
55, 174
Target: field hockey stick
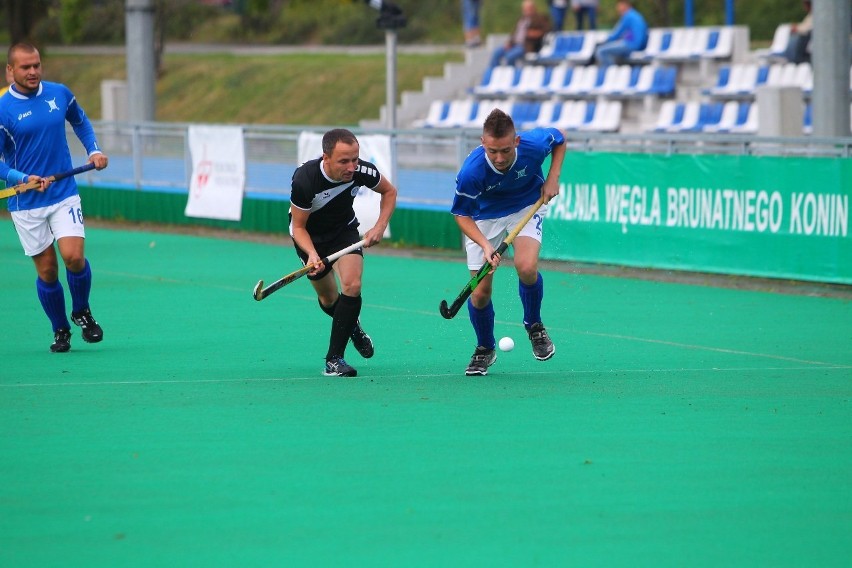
23, 187
450, 311
260, 292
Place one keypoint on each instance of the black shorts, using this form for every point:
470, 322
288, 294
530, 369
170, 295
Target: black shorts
343, 239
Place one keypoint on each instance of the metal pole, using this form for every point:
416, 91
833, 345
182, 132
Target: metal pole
141, 75
390, 62
830, 60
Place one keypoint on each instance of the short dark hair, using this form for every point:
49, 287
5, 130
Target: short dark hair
335, 135
498, 124
20, 46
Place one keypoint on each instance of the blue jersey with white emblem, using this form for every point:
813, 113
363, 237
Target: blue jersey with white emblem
483, 192
33, 141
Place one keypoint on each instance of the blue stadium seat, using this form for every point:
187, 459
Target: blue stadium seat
525, 111
438, 111
497, 81
659, 42
665, 81
548, 115
560, 77
558, 48
531, 81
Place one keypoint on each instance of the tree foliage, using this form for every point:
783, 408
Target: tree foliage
339, 22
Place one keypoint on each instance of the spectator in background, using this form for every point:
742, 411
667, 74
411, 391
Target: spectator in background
583, 8
630, 34
470, 22
558, 9
527, 37
800, 37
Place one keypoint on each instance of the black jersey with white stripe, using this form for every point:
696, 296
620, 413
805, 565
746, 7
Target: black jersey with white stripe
329, 202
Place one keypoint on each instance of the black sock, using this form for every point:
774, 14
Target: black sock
347, 310
328, 309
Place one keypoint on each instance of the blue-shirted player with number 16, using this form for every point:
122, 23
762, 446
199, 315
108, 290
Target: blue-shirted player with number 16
33, 146
495, 186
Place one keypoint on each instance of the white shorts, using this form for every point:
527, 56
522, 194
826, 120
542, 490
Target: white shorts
38, 228
495, 230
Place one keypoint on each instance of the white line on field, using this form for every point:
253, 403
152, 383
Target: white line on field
461, 376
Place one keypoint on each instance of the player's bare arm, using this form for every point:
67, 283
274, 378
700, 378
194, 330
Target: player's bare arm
469, 227
303, 239
550, 188
386, 208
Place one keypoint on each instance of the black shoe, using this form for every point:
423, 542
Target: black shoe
337, 367
542, 346
91, 331
61, 341
362, 342
481, 360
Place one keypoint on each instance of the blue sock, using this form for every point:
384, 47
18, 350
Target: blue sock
80, 284
531, 297
483, 324
52, 298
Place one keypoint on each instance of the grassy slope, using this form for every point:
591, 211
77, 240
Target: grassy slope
321, 89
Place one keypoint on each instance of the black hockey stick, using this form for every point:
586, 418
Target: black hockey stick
260, 292
23, 187
450, 311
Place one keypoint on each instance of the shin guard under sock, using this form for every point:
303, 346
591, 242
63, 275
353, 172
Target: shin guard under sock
531, 297
52, 298
483, 324
346, 312
79, 284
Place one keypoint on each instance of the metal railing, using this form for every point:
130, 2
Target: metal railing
156, 155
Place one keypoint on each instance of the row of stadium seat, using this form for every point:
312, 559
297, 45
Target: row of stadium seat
742, 80
566, 81
600, 116
730, 117
736, 117
664, 45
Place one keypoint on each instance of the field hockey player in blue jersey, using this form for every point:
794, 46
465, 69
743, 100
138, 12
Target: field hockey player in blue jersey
34, 146
496, 185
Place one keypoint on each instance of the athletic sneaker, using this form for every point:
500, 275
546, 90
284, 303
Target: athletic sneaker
92, 332
61, 341
542, 346
481, 360
337, 367
362, 342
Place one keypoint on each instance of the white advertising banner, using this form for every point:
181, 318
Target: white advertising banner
374, 148
218, 172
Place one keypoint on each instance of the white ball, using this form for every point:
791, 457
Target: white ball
506, 344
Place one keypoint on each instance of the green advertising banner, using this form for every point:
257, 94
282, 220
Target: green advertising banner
759, 216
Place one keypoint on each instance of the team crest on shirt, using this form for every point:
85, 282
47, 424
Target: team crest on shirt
51, 105
355, 190
521, 173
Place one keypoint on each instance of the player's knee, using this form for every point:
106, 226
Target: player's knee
481, 295
48, 274
75, 262
351, 288
527, 270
